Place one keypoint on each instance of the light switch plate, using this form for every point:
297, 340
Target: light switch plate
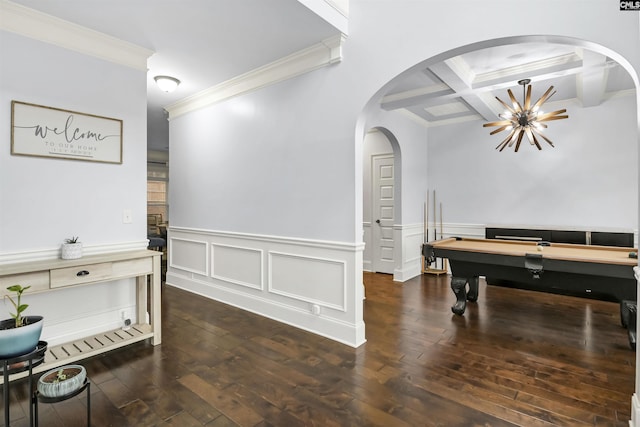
127, 217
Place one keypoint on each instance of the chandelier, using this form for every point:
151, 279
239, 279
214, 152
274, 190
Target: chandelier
525, 118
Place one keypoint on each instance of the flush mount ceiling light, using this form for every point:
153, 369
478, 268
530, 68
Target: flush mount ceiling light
525, 119
166, 83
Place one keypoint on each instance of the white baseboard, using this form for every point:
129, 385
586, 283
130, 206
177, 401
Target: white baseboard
635, 411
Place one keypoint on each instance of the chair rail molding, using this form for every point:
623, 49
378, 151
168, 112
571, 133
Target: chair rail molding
54, 253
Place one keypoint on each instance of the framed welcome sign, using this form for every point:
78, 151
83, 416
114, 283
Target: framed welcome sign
42, 131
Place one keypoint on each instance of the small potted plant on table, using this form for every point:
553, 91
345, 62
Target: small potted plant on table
71, 248
20, 334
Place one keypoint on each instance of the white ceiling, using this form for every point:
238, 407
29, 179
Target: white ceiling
200, 42
206, 42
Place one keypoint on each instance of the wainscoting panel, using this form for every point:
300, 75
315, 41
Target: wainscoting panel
234, 264
189, 255
312, 285
314, 280
410, 256
368, 253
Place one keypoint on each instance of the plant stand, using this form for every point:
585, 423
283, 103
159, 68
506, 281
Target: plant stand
37, 397
17, 364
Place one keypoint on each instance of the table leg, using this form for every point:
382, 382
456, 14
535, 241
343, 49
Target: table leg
472, 295
5, 392
34, 400
459, 285
88, 403
155, 294
631, 327
31, 394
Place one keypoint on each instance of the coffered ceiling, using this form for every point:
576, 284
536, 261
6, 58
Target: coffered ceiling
465, 87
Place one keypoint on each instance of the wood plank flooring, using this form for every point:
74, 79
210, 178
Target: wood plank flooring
515, 358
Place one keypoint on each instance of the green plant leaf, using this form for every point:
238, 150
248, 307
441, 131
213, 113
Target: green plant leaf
22, 307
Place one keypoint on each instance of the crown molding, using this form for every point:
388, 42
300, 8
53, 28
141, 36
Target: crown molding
334, 12
325, 53
31, 23
556, 64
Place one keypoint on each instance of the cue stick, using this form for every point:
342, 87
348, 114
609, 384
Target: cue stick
442, 262
424, 223
441, 233
435, 237
426, 227
435, 214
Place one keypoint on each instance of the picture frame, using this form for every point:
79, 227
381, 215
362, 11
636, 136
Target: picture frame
42, 131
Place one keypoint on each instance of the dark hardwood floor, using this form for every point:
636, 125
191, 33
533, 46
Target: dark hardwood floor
516, 358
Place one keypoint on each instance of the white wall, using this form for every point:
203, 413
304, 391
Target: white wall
589, 180
43, 200
46, 200
256, 165
283, 161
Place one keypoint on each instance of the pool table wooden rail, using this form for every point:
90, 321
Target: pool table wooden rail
592, 270
558, 251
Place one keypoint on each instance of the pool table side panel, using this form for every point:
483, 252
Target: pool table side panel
617, 286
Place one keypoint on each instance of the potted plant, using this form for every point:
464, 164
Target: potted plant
71, 248
62, 381
20, 334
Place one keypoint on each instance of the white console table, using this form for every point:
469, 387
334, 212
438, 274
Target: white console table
50, 275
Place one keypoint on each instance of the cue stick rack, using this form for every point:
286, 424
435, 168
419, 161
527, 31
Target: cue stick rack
440, 264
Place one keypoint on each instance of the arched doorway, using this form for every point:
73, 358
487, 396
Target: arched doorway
469, 141
374, 115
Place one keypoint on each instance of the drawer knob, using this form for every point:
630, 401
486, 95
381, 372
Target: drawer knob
82, 273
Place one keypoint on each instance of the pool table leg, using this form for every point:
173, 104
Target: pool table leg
631, 327
459, 287
472, 294
628, 315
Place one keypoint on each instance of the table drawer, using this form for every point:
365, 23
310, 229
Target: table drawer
134, 267
89, 273
38, 280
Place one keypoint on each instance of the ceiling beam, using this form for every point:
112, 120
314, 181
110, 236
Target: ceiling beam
592, 82
456, 73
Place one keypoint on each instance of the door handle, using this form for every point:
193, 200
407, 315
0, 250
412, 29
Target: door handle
377, 221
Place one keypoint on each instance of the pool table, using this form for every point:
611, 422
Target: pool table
583, 268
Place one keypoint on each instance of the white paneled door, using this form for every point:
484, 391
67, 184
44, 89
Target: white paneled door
382, 214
